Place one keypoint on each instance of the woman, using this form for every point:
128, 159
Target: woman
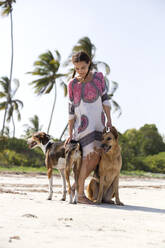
88, 102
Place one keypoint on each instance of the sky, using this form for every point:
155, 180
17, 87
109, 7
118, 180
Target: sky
129, 35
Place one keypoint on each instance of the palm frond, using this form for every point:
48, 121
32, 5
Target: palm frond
104, 65
2, 94
39, 72
18, 115
49, 88
7, 6
2, 3
9, 113
46, 68
6, 11
57, 55
17, 84
41, 85
18, 103
116, 107
3, 105
4, 82
35, 124
85, 44
114, 88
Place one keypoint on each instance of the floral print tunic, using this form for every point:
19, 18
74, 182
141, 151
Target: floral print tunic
86, 100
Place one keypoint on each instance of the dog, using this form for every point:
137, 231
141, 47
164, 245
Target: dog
73, 156
105, 183
54, 157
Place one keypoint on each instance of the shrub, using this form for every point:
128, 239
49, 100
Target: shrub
15, 152
155, 163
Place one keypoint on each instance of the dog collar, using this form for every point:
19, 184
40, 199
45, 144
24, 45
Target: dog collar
50, 142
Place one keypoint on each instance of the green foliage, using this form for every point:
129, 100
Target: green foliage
151, 141
7, 7
46, 68
11, 158
145, 141
9, 104
15, 152
32, 128
155, 163
141, 149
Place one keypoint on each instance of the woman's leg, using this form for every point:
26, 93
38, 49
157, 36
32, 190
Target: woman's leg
88, 165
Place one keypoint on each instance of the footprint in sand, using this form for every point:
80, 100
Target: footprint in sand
29, 216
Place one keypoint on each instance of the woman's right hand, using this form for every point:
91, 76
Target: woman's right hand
68, 140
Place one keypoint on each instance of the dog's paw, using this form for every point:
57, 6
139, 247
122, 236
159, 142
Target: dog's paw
49, 198
108, 201
63, 199
119, 203
97, 202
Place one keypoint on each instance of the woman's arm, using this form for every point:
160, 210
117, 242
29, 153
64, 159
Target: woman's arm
70, 127
108, 115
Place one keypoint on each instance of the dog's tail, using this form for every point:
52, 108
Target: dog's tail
92, 189
96, 172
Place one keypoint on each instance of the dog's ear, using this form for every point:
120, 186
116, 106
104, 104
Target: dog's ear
47, 136
44, 135
114, 132
37, 135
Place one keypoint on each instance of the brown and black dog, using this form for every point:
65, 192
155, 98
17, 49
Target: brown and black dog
105, 183
54, 157
73, 156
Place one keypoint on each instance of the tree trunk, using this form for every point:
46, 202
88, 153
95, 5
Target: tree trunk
64, 131
54, 102
13, 126
4, 120
12, 52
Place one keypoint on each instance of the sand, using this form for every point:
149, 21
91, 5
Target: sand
28, 220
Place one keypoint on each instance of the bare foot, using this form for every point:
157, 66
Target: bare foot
84, 200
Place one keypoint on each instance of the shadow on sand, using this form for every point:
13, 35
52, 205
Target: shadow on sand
132, 208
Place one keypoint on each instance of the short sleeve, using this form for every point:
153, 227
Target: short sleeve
70, 101
104, 96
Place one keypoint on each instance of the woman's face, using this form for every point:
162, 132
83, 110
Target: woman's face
81, 68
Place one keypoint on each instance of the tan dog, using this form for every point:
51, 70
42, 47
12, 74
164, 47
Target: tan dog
105, 184
73, 156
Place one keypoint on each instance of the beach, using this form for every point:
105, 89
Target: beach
27, 219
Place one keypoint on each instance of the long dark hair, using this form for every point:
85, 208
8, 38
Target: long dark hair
81, 56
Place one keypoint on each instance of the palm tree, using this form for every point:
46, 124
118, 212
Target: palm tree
7, 131
11, 103
34, 127
85, 44
7, 10
46, 68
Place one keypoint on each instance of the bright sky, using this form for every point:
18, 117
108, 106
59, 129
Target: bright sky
129, 35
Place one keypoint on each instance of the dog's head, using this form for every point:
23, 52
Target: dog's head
38, 139
109, 139
72, 150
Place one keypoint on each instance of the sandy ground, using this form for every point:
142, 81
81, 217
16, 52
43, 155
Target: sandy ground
27, 219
